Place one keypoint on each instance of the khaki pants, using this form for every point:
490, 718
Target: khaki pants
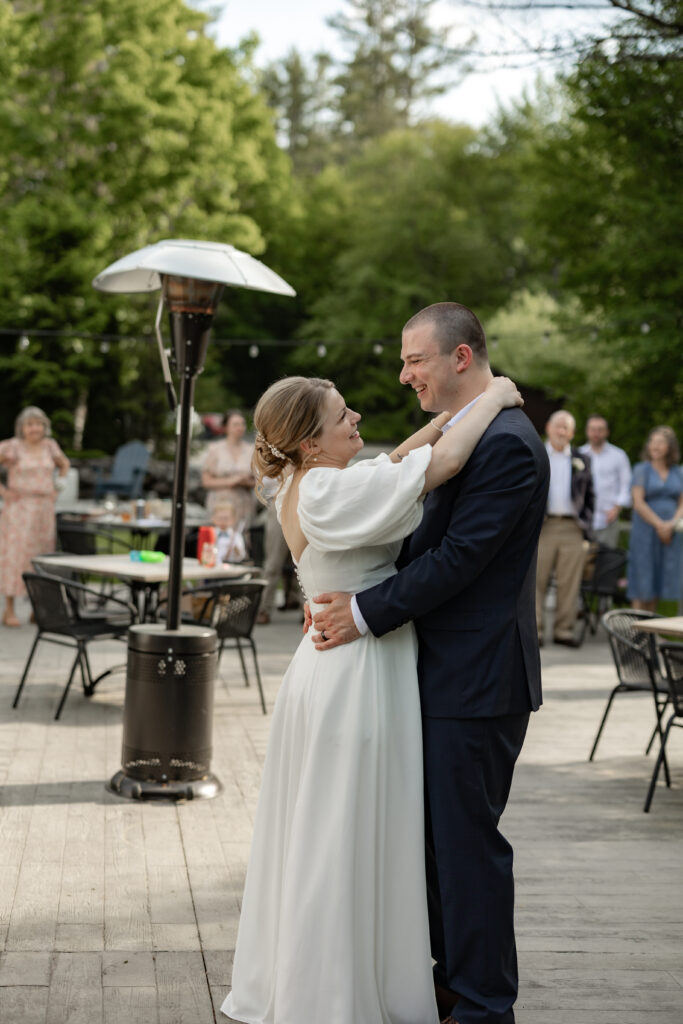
562, 550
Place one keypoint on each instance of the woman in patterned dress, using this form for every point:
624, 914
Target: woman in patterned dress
226, 473
27, 522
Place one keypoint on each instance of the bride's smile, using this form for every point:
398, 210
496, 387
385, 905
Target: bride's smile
339, 440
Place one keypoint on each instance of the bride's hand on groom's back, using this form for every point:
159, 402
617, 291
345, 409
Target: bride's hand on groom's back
334, 625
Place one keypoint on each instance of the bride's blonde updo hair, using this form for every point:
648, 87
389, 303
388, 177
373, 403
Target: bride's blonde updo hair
291, 411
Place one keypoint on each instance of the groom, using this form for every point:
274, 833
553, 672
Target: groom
467, 579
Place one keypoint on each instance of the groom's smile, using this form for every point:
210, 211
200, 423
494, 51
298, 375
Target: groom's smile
429, 371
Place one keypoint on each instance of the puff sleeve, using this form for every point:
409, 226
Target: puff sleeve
375, 501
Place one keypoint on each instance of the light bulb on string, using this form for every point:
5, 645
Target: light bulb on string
24, 342
253, 351
77, 346
322, 351
645, 328
104, 347
378, 348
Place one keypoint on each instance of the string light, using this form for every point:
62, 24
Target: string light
105, 341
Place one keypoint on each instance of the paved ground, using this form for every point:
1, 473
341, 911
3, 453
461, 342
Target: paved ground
112, 911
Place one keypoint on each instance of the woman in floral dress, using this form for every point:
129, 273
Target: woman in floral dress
27, 522
226, 472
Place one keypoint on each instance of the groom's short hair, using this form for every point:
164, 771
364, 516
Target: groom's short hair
453, 324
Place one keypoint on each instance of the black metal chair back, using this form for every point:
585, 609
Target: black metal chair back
599, 591
234, 613
634, 654
608, 569
55, 602
76, 539
230, 608
52, 609
633, 651
672, 658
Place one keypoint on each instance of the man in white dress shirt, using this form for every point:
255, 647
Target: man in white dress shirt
611, 480
563, 546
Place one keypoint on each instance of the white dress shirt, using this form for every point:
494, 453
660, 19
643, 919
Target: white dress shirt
361, 624
611, 471
560, 490
230, 546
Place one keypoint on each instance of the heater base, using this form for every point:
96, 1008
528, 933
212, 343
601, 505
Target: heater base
177, 789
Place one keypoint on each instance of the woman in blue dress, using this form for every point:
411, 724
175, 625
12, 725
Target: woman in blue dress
655, 569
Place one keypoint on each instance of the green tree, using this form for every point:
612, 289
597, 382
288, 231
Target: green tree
394, 55
427, 217
301, 93
122, 123
609, 214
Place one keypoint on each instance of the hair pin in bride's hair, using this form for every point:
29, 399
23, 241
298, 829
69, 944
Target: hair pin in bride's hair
276, 451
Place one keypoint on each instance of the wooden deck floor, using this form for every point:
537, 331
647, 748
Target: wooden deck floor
114, 911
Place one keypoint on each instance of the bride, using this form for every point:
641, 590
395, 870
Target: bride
334, 915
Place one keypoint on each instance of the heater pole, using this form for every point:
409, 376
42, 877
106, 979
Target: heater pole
190, 333
180, 472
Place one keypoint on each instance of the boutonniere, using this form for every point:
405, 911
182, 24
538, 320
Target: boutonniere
578, 464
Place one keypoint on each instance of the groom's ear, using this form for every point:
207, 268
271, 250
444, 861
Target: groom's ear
463, 358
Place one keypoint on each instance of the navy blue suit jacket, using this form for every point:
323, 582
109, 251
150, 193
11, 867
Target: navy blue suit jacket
468, 579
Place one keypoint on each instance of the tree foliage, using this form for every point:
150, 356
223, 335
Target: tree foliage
122, 123
609, 212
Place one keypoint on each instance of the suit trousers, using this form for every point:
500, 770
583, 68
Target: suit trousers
470, 888
562, 550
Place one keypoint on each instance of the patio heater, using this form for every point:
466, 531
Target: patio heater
168, 710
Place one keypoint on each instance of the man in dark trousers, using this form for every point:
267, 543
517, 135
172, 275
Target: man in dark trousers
467, 579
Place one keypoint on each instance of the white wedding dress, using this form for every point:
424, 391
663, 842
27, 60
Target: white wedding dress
334, 917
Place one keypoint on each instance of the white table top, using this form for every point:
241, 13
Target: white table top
671, 626
124, 568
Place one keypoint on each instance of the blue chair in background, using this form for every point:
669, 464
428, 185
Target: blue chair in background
127, 472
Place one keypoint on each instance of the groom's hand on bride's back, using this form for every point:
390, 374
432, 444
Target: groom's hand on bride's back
333, 625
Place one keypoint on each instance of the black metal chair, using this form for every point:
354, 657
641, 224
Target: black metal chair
80, 539
229, 607
56, 604
672, 658
635, 658
600, 590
